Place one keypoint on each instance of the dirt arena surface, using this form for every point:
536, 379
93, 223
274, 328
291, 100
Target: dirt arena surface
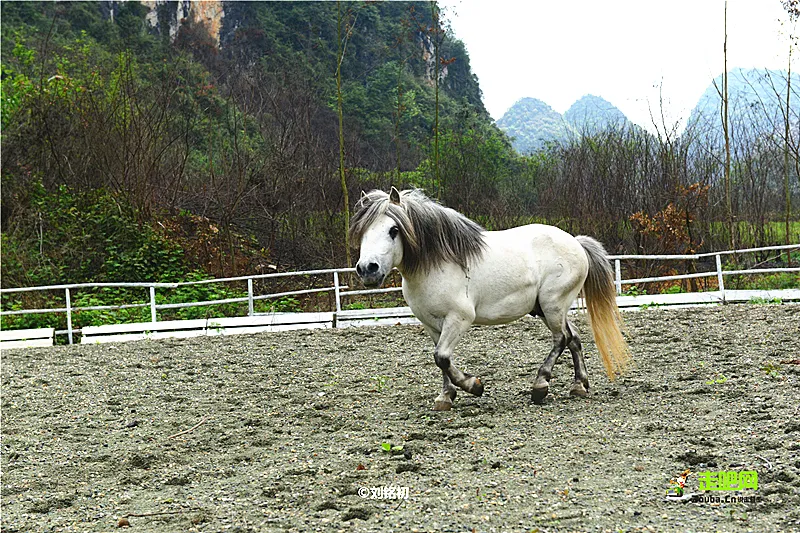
287, 432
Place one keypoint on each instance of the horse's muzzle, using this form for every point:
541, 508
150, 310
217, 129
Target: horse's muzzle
371, 274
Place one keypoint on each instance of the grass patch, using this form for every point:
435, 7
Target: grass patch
778, 280
765, 301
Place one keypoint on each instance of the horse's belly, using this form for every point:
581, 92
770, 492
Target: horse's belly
485, 296
505, 308
505, 285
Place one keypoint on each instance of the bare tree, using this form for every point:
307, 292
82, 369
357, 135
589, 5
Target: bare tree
725, 130
793, 9
344, 29
436, 32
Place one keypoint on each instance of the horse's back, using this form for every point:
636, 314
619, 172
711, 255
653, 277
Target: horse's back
520, 269
542, 246
523, 267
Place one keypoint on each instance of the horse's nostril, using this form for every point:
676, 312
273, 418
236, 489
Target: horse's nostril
359, 270
372, 268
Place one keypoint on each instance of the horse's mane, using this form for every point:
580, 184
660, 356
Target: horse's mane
432, 234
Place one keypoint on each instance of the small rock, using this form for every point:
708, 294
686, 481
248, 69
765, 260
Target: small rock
407, 467
361, 513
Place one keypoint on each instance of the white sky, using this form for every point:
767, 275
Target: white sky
621, 50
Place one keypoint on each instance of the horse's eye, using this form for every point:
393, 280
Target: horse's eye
394, 231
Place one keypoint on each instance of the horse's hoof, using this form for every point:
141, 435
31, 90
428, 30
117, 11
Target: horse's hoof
538, 395
477, 388
578, 390
439, 405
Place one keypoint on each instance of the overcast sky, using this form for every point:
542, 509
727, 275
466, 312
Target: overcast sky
622, 50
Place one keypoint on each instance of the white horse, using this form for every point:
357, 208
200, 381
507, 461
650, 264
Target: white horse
456, 274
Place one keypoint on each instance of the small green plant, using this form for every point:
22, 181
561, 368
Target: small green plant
634, 290
718, 380
675, 289
765, 301
390, 449
380, 382
354, 306
651, 305
772, 370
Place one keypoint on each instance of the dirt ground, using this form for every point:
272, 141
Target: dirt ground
287, 432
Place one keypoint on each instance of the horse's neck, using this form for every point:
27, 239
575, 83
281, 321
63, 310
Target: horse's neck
412, 281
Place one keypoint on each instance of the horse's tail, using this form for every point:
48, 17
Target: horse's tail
601, 302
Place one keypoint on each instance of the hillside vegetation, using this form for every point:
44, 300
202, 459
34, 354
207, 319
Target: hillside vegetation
138, 145
242, 138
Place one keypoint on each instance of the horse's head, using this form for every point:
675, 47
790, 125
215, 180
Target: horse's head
380, 234
410, 231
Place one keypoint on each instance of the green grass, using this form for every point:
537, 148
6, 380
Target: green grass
778, 280
773, 231
634, 290
765, 301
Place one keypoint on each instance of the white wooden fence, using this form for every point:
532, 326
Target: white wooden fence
340, 316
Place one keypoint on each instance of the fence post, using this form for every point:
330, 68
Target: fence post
618, 276
153, 317
719, 278
250, 307
337, 292
69, 315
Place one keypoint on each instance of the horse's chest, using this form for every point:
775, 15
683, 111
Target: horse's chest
431, 302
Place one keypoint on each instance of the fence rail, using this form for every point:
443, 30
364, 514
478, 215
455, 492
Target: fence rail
342, 291
719, 272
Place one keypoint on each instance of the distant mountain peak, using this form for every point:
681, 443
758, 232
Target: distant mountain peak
594, 113
755, 97
532, 124
528, 101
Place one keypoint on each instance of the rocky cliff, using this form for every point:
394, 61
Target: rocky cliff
221, 19
167, 16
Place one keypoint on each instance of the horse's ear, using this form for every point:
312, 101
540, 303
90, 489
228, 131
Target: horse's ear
363, 194
394, 196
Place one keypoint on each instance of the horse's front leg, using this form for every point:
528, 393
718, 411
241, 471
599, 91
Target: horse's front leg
453, 327
445, 400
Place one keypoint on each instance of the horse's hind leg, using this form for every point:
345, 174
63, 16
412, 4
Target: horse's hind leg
580, 387
542, 384
555, 317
